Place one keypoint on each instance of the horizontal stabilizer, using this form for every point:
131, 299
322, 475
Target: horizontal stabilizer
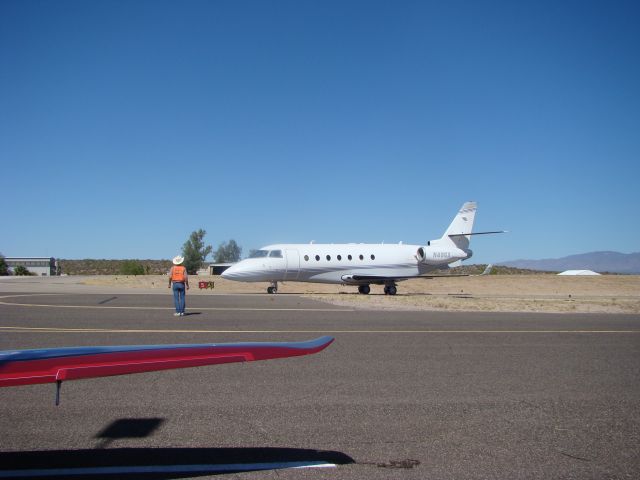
476, 233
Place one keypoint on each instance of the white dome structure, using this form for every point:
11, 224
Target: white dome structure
579, 272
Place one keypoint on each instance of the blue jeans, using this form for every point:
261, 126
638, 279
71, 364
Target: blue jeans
179, 296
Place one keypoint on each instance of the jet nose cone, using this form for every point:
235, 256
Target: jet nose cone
231, 273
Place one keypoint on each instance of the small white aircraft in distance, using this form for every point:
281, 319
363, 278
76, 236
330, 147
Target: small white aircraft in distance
360, 264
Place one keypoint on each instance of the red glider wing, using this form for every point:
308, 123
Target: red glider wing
25, 367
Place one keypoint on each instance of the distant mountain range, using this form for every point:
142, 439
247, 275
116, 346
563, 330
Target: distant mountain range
612, 262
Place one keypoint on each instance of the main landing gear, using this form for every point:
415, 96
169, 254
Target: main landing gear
389, 289
273, 288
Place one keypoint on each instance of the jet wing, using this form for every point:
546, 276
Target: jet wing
48, 365
381, 279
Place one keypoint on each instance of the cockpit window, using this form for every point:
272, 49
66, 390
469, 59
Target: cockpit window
259, 254
275, 254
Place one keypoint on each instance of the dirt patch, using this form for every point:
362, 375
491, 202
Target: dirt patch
521, 293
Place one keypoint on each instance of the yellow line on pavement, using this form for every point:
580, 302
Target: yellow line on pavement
19, 329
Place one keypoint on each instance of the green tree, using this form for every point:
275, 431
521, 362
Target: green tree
195, 252
22, 271
131, 267
228, 252
4, 268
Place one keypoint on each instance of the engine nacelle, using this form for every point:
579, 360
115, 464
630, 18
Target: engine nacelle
432, 255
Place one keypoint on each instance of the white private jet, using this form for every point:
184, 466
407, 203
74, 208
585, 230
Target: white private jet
360, 264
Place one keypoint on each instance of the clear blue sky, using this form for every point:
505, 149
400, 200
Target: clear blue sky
126, 125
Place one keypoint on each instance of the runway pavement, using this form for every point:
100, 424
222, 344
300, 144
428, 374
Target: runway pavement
397, 395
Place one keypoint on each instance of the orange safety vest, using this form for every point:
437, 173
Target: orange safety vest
178, 273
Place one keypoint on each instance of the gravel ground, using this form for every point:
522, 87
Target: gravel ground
504, 293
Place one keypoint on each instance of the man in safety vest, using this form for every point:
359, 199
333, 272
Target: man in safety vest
179, 279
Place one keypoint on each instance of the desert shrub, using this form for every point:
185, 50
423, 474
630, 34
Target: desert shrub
131, 267
4, 268
22, 271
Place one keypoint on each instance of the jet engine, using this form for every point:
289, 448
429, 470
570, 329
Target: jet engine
433, 255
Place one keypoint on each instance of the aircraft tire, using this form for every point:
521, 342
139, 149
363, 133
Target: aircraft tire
364, 289
272, 290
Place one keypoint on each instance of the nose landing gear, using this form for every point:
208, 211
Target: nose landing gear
273, 288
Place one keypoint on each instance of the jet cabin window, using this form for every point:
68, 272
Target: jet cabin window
266, 253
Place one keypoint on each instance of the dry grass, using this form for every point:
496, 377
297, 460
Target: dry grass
513, 293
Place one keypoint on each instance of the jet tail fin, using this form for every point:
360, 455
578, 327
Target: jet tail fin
459, 231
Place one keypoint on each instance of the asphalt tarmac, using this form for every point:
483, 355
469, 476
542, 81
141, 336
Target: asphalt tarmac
397, 395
